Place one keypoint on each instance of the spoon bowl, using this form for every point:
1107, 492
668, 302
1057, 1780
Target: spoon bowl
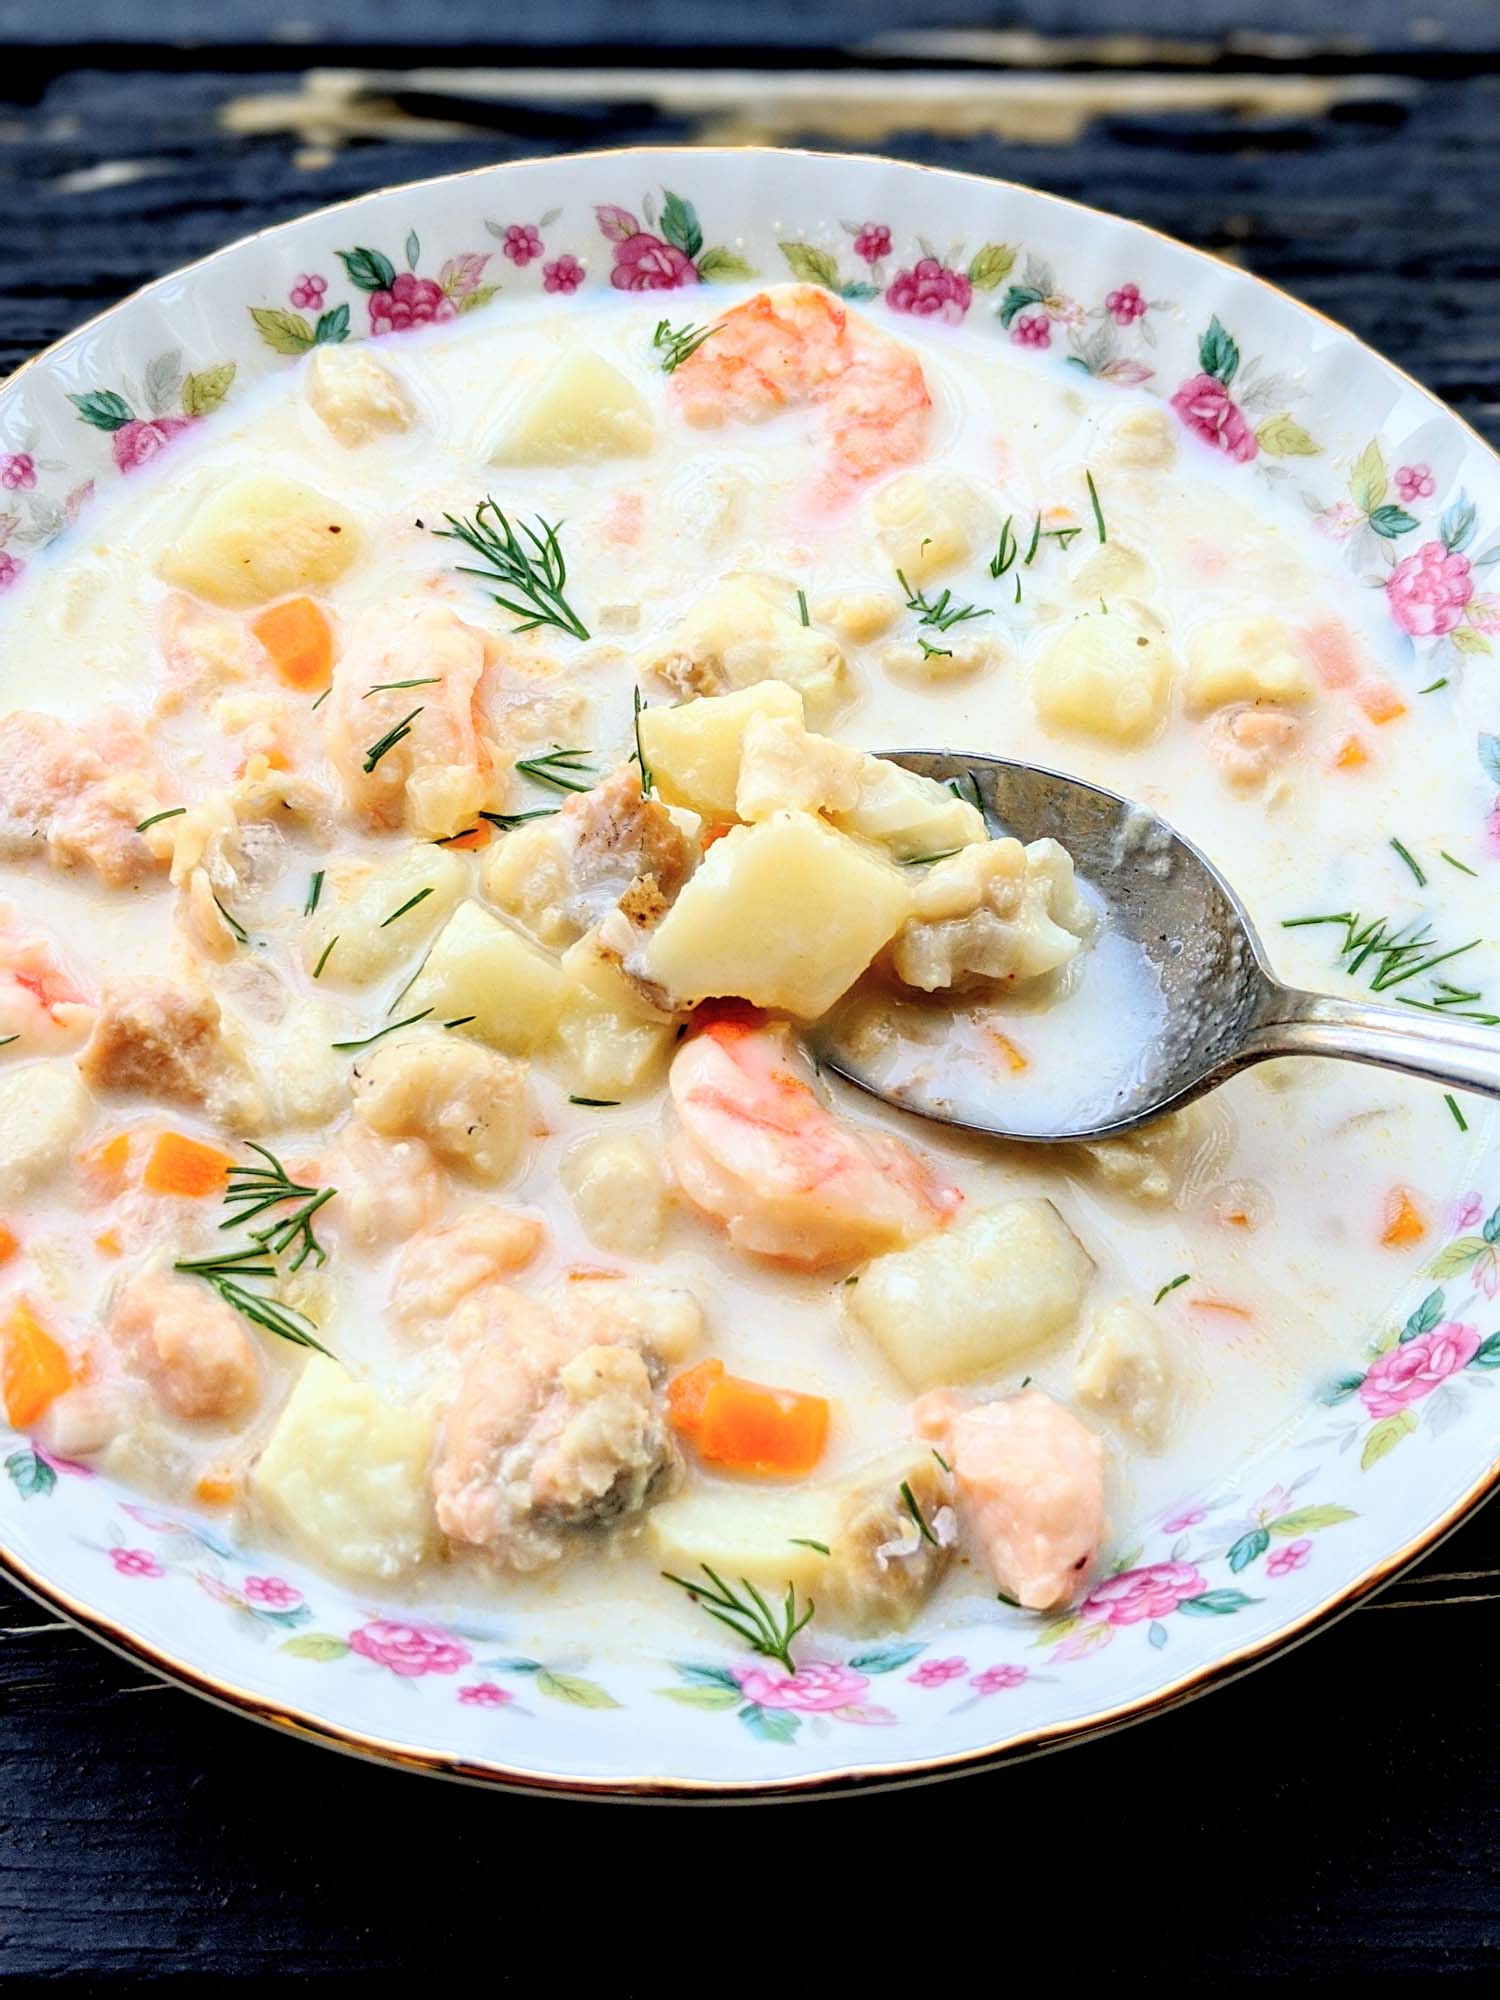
1221, 1007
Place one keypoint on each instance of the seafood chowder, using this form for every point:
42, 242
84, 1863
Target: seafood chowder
438, 802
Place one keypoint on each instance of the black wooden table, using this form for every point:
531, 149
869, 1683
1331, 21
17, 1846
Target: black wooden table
1337, 1810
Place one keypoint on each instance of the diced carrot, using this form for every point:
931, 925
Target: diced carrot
36, 1369
1014, 1059
1405, 1223
477, 836
714, 832
590, 1274
299, 639
108, 1243
107, 1161
688, 1392
1351, 755
183, 1166
215, 1489
748, 1427
8, 1244
1380, 701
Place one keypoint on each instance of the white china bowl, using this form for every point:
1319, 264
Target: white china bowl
1387, 1459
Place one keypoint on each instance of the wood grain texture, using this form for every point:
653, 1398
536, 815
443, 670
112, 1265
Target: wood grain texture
1336, 1811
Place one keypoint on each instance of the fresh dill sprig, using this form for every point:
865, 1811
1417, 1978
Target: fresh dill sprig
390, 1028
1411, 861
1454, 862
1094, 503
156, 819
397, 734
1433, 686
460, 1021
1035, 542
676, 344
505, 821
1007, 551
916, 1513
802, 607
388, 687
241, 934
559, 768
224, 1274
320, 701
410, 904
931, 652
596, 1103
762, 1629
324, 956
252, 1191
1458, 1117
647, 781
1399, 955
941, 1460
535, 577
1170, 1286
941, 611
314, 893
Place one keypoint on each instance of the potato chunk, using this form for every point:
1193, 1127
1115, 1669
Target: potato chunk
611, 1042
259, 537
1000, 1284
43, 1106
356, 397
694, 750
479, 966
786, 914
759, 1533
784, 767
344, 1475
618, 1190
928, 523
357, 906
583, 409
1104, 675
909, 814
1126, 1371
1243, 659
747, 630
996, 912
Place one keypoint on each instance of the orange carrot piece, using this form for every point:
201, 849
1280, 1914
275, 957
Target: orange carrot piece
1351, 756
1405, 1223
299, 639
108, 1160
8, 1244
1015, 1060
215, 1489
36, 1368
182, 1166
108, 1243
713, 832
477, 836
747, 1427
1380, 701
688, 1392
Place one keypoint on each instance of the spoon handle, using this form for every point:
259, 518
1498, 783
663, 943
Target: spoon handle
1431, 1045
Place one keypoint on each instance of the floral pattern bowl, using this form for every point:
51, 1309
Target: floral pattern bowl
1389, 1454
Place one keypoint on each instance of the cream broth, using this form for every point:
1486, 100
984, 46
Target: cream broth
1281, 1199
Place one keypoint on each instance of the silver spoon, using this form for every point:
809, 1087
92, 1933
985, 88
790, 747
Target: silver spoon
1224, 1009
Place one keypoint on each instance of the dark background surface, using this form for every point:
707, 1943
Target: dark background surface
1338, 1811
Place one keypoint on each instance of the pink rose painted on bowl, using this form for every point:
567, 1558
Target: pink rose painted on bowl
1125, 305
522, 242
997, 1680
931, 291
1207, 408
1427, 592
308, 291
645, 263
485, 1694
136, 1562
1414, 1369
563, 274
1281, 1562
411, 301
271, 1593
17, 472
873, 242
937, 1673
135, 443
12, 569
1154, 1591
1414, 482
817, 1685
409, 1650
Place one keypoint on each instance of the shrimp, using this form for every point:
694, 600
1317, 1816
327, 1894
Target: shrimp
443, 1266
409, 680
756, 1149
389, 1189
187, 1344
1247, 744
798, 347
1030, 1485
41, 1004
78, 793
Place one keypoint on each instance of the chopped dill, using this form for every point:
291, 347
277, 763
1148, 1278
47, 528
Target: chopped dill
1171, 1286
156, 819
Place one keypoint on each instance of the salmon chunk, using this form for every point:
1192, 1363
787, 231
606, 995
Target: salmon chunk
77, 794
192, 1348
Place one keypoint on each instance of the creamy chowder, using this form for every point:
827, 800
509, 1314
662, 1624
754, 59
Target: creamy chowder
438, 800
